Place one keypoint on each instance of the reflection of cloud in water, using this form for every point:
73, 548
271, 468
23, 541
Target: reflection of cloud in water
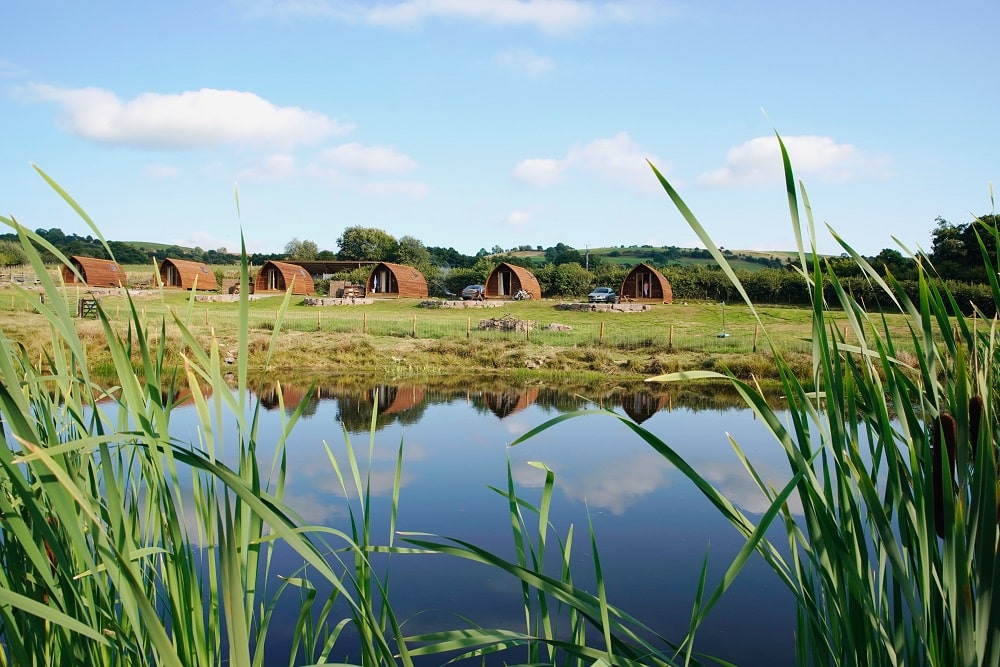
516, 427
318, 493
313, 508
735, 483
528, 476
618, 484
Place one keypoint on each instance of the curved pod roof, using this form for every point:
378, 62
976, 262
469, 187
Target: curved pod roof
506, 279
645, 283
185, 274
396, 280
96, 272
275, 276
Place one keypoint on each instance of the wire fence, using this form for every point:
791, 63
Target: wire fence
739, 338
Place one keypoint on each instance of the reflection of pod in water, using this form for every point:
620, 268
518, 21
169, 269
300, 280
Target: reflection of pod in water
505, 403
397, 399
640, 406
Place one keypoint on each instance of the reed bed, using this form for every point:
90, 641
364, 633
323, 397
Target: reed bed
121, 544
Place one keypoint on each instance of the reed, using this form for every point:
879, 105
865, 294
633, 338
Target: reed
123, 545
894, 559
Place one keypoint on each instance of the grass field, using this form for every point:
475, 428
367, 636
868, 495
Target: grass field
400, 336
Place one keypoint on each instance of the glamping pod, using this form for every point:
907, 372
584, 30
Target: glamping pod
185, 274
277, 276
396, 280
96, 272
506, 280
644, 283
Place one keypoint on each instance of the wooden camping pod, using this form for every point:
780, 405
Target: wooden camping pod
277, 276
96, 272
644, 283
185, 274
396, 280
507, 279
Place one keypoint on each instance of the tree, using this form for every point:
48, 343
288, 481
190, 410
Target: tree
12, 254
412, 252
367, 243
296, 250
563, 254
957, 250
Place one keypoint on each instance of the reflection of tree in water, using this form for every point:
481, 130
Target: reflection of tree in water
407, 404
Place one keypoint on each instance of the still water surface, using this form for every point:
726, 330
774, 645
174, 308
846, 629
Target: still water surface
653, 527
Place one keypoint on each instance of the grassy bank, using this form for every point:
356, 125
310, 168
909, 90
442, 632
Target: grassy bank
400, 338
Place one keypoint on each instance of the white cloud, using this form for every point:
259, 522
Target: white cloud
355, 158
192, 119
349, 165
161, 171
272, 168
758, 162
539, 171
523, 61
616, 160
551, 16
517, 218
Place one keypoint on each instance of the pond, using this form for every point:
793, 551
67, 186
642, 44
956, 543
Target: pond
653, 528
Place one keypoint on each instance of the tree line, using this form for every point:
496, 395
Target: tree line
956, 256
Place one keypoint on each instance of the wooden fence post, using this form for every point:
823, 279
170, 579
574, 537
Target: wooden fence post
670, 340
364, 323
414, 326
755, 331
601, 339
468, 328
319, 321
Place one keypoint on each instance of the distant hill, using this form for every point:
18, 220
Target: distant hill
752, 260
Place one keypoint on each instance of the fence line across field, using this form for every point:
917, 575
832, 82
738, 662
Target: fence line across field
739, 338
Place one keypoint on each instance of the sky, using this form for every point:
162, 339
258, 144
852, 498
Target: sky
479, 123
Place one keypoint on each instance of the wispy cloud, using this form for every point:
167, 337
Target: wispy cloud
551, 16
523, 61
207, 241
161, 171
409, 189
358, 167
356, 158
758, 162
618, 160
9, 70
192, 119
273, 168
517, 218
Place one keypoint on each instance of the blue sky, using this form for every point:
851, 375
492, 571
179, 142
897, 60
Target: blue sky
474, 123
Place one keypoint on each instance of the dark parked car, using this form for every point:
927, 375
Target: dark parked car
602, 295
476, 292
